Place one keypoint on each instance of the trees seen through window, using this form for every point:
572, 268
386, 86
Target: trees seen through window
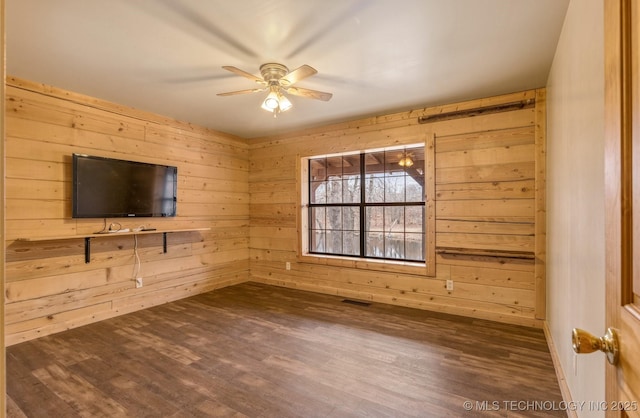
368, 205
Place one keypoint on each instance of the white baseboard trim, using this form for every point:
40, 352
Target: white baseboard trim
557, 365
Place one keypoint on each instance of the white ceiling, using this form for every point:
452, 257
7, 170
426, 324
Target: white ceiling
375, 56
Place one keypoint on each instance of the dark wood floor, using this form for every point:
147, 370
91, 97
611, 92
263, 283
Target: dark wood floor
259, 351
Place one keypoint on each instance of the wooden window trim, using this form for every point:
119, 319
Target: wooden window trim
428, 268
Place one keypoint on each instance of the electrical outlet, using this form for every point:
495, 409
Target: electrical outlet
449, 284
138, 282
288, 265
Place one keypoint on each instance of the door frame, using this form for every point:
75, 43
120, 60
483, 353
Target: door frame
613, 186
3, 369
618, 179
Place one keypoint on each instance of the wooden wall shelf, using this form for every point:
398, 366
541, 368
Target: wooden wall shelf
88, 237
486, 253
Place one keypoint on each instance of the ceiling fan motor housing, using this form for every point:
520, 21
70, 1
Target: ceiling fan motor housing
273, 72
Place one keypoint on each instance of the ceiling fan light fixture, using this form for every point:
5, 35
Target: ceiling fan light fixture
271, 103
285, 104
406, 160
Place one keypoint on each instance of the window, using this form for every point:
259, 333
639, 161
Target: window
368, 205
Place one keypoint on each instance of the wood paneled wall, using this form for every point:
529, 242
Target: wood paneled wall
49, 287
489, 204
489, 199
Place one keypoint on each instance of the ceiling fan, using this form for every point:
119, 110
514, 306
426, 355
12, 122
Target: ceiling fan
278, 80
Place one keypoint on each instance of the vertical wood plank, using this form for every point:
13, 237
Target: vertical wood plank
430, 207
540, 204
3, 376
301, 188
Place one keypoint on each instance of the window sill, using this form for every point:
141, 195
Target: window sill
391, 266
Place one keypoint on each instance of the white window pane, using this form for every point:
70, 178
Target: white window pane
351, 243
334, 242
374, 244
394, 245
374, 220
414, 246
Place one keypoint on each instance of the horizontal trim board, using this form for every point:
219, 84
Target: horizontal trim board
507, 107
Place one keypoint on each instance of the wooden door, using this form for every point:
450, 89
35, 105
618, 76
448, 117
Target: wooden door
622, 188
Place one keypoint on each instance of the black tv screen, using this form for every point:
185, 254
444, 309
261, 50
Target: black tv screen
110, 188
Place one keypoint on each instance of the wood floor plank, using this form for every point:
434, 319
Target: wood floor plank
253, 350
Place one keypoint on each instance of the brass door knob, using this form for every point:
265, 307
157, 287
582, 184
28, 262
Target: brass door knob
585, 342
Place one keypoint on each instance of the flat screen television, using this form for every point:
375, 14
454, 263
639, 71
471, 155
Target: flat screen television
111, 188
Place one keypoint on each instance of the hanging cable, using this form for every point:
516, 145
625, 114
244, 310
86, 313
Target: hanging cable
137, 265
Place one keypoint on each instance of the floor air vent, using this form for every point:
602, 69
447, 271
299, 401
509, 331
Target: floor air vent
356, 302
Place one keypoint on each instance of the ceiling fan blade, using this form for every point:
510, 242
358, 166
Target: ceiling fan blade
238, 71
312, 94
298, 74
233, 93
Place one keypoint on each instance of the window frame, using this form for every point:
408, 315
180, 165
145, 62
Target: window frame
426, 267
